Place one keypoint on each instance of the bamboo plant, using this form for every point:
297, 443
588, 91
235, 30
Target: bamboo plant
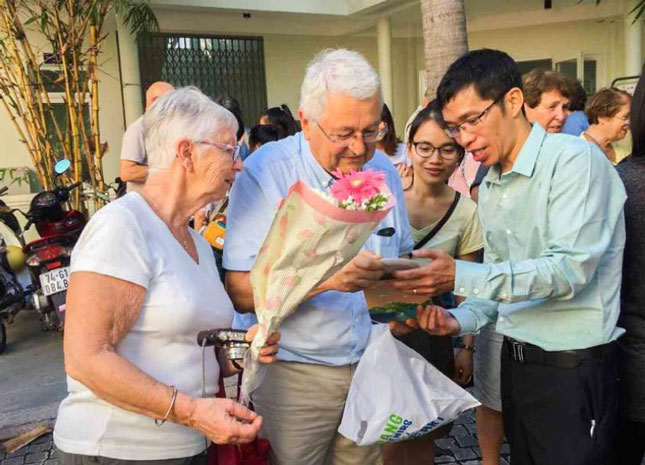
56, 44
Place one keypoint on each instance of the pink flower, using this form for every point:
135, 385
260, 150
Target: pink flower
360, 185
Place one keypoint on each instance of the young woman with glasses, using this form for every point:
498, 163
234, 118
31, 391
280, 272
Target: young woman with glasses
430, 201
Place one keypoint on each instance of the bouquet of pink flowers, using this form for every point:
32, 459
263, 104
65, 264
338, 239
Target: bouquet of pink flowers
313, 235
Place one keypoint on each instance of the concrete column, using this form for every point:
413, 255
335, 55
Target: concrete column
633, 45
130, 80
384, 42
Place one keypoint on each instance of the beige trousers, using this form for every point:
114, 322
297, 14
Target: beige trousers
302, 405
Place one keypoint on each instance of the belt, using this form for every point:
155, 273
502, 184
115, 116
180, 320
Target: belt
523, 352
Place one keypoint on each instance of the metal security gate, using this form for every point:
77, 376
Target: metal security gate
215, 64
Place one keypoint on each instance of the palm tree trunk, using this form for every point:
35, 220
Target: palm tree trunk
444, 38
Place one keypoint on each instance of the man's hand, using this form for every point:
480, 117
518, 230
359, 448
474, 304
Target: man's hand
398, 328
364, 271
435, 278
437, 321
270, 349
431, 318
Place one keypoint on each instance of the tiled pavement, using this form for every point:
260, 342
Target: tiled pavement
460, 448
39, 452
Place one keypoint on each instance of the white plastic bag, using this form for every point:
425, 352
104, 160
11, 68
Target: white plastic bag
397, 395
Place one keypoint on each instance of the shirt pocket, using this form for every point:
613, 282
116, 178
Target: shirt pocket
385, 246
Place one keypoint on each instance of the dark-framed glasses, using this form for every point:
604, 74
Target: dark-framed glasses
232, 150
469, 124
448, 152
369, 136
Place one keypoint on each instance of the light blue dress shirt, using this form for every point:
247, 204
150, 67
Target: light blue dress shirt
554, 234
331, 328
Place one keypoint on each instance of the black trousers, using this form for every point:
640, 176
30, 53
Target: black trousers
631, 442
561, 416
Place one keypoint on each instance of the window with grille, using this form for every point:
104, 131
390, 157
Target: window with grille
215, 64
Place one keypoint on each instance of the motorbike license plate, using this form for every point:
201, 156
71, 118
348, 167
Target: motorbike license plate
55, 281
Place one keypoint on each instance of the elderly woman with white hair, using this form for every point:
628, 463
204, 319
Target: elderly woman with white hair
143, 284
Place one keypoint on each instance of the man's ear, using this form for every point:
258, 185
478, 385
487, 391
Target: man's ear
305, 124
184, 154
514, 101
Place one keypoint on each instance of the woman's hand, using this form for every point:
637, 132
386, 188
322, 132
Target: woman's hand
270, 349
405, 172
463, 367
224, 421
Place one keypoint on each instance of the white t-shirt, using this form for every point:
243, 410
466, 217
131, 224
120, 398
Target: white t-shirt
127, 240
133, 147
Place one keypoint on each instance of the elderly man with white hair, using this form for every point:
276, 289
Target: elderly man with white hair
303, 394
142, 286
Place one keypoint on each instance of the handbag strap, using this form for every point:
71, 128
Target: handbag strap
440, 224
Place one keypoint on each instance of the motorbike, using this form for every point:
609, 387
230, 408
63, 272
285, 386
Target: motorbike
16, 286
48, 258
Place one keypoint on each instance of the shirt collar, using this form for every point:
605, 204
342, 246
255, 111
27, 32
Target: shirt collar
526, 159
323, 177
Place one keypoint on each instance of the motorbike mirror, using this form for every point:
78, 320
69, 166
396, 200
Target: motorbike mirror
62, 165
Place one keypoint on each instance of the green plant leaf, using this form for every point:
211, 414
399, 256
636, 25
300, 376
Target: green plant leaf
140, 17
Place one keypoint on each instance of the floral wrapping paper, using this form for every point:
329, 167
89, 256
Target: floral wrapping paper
309, 240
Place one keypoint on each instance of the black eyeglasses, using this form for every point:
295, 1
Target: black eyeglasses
471, 123
425, 150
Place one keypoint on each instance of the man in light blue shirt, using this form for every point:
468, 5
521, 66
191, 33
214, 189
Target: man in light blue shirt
551, 208
302, 399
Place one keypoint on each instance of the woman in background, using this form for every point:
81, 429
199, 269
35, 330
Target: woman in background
390, 145
608, 112
441, 219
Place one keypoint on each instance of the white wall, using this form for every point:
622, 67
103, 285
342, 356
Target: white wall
561, 42
286, 58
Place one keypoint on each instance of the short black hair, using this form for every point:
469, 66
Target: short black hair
232, 105
282, 116
637, 118
262, 133
578, 95
491, 72
431, 112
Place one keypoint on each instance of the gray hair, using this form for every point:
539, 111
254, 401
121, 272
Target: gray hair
184, 113
337, 71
